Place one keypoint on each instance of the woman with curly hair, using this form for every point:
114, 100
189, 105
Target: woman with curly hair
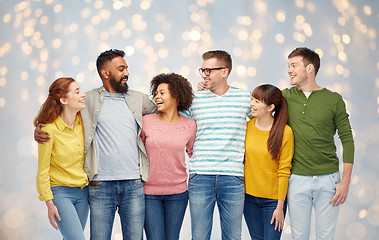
166, 135
61, 178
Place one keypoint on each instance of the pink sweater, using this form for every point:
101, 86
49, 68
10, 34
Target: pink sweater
165, 144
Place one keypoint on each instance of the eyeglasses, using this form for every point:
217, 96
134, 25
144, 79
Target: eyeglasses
207, 71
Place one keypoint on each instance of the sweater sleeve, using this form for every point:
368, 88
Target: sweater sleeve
284, 164
344, 131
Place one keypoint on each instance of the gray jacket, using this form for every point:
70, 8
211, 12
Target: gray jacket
139, 104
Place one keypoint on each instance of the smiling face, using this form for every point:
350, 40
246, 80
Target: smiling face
297, 71
74, 100
116, 71
216, 78
259, 108
163, 99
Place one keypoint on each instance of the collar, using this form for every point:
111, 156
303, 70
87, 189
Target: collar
61, 125
220, 96
101, 90
317, 90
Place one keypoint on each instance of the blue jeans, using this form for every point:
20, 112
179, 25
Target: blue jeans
164, 215
126, 196
307, 192
258, 213
72, 205
204, 192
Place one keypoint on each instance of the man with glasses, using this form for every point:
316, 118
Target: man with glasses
216, 167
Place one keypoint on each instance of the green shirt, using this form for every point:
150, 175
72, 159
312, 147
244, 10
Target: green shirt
314, 122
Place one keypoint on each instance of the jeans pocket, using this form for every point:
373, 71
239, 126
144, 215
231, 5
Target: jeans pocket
192, 176
56, 188
57, 191
95, 184
335, 178
291, 179
138, 183
239, 179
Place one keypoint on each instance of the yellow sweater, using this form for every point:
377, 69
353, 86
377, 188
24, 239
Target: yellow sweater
264, 177
61, 160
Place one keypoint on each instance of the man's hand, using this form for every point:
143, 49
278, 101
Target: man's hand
200, 86
52, 212
39, 135
342, 190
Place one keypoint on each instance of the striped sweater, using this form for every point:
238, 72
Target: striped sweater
221, 128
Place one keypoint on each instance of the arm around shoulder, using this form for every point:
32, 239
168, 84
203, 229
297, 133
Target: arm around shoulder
191, 142
148, 107
41, 136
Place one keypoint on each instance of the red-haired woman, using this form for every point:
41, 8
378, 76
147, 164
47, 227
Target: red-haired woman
61, 178
269, 149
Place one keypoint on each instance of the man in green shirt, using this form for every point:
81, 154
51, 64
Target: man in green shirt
315, 114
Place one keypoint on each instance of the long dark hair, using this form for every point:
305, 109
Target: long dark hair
270, 94
52, 107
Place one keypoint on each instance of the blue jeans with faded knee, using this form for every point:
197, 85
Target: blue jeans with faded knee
125, 196
204, 192
73, 208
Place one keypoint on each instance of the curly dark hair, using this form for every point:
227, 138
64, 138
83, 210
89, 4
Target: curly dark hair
180, 88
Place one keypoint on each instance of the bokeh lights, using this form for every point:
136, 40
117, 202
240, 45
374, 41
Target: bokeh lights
42, 40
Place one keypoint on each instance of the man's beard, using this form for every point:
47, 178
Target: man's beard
118, 86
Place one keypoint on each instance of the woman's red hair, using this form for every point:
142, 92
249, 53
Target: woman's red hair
52, 107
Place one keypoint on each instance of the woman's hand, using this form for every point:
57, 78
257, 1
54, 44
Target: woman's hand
278, 216
52, 212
